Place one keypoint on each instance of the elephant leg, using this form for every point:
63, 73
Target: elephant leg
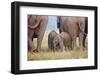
62, 46
70, 46
74, 43
30, 44
52, 47
50, 44
40, 36
66, 48
81, 41
84, 38
39, 42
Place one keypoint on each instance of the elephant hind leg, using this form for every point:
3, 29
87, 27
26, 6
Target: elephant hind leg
74, 43
41, 34
84, 39
81, 41
66, 48
49, 43
30, 45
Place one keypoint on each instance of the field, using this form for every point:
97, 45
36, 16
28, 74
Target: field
46, 54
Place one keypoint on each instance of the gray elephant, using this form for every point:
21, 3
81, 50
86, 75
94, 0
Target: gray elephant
51, 36
67, 41
36, 29
58, 43
86, 31
75, 26
62, 42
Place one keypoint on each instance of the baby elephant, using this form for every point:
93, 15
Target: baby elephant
62, 41
58, 43
67, 41
51, 37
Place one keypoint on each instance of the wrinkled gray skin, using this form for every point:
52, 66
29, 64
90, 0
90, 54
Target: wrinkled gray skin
62, 42
51, 36
58, 43
67, 41
36, 29
75, 26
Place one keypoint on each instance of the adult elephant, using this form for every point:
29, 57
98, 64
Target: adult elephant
73, 25
86, 31
36, 29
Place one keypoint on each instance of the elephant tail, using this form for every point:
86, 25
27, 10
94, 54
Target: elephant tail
36, 25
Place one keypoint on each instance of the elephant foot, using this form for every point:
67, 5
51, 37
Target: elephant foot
35, 50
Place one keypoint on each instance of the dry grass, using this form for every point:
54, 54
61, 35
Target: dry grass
46, 54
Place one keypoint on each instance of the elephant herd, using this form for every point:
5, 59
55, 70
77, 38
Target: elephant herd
70, 27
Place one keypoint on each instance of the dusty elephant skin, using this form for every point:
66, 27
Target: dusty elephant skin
75, 26
51, 36
58, 43
67, 41
36, 29
62, 42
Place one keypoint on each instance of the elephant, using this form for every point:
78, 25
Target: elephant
86, 31
58, 43
51, 36
36, 29
73, 25
62, 42
67, 41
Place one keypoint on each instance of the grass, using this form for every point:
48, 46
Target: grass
46, 54
57, 55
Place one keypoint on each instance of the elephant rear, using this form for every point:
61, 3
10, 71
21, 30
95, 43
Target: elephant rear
75, 27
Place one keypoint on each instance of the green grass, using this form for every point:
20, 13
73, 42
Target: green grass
46, 54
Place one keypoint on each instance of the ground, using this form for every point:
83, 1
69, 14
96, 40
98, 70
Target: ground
46, 54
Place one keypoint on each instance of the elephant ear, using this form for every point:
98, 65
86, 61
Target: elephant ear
38, 20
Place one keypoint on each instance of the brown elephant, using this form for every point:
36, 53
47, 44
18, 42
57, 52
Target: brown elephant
73, 25
51, 36
36, 29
